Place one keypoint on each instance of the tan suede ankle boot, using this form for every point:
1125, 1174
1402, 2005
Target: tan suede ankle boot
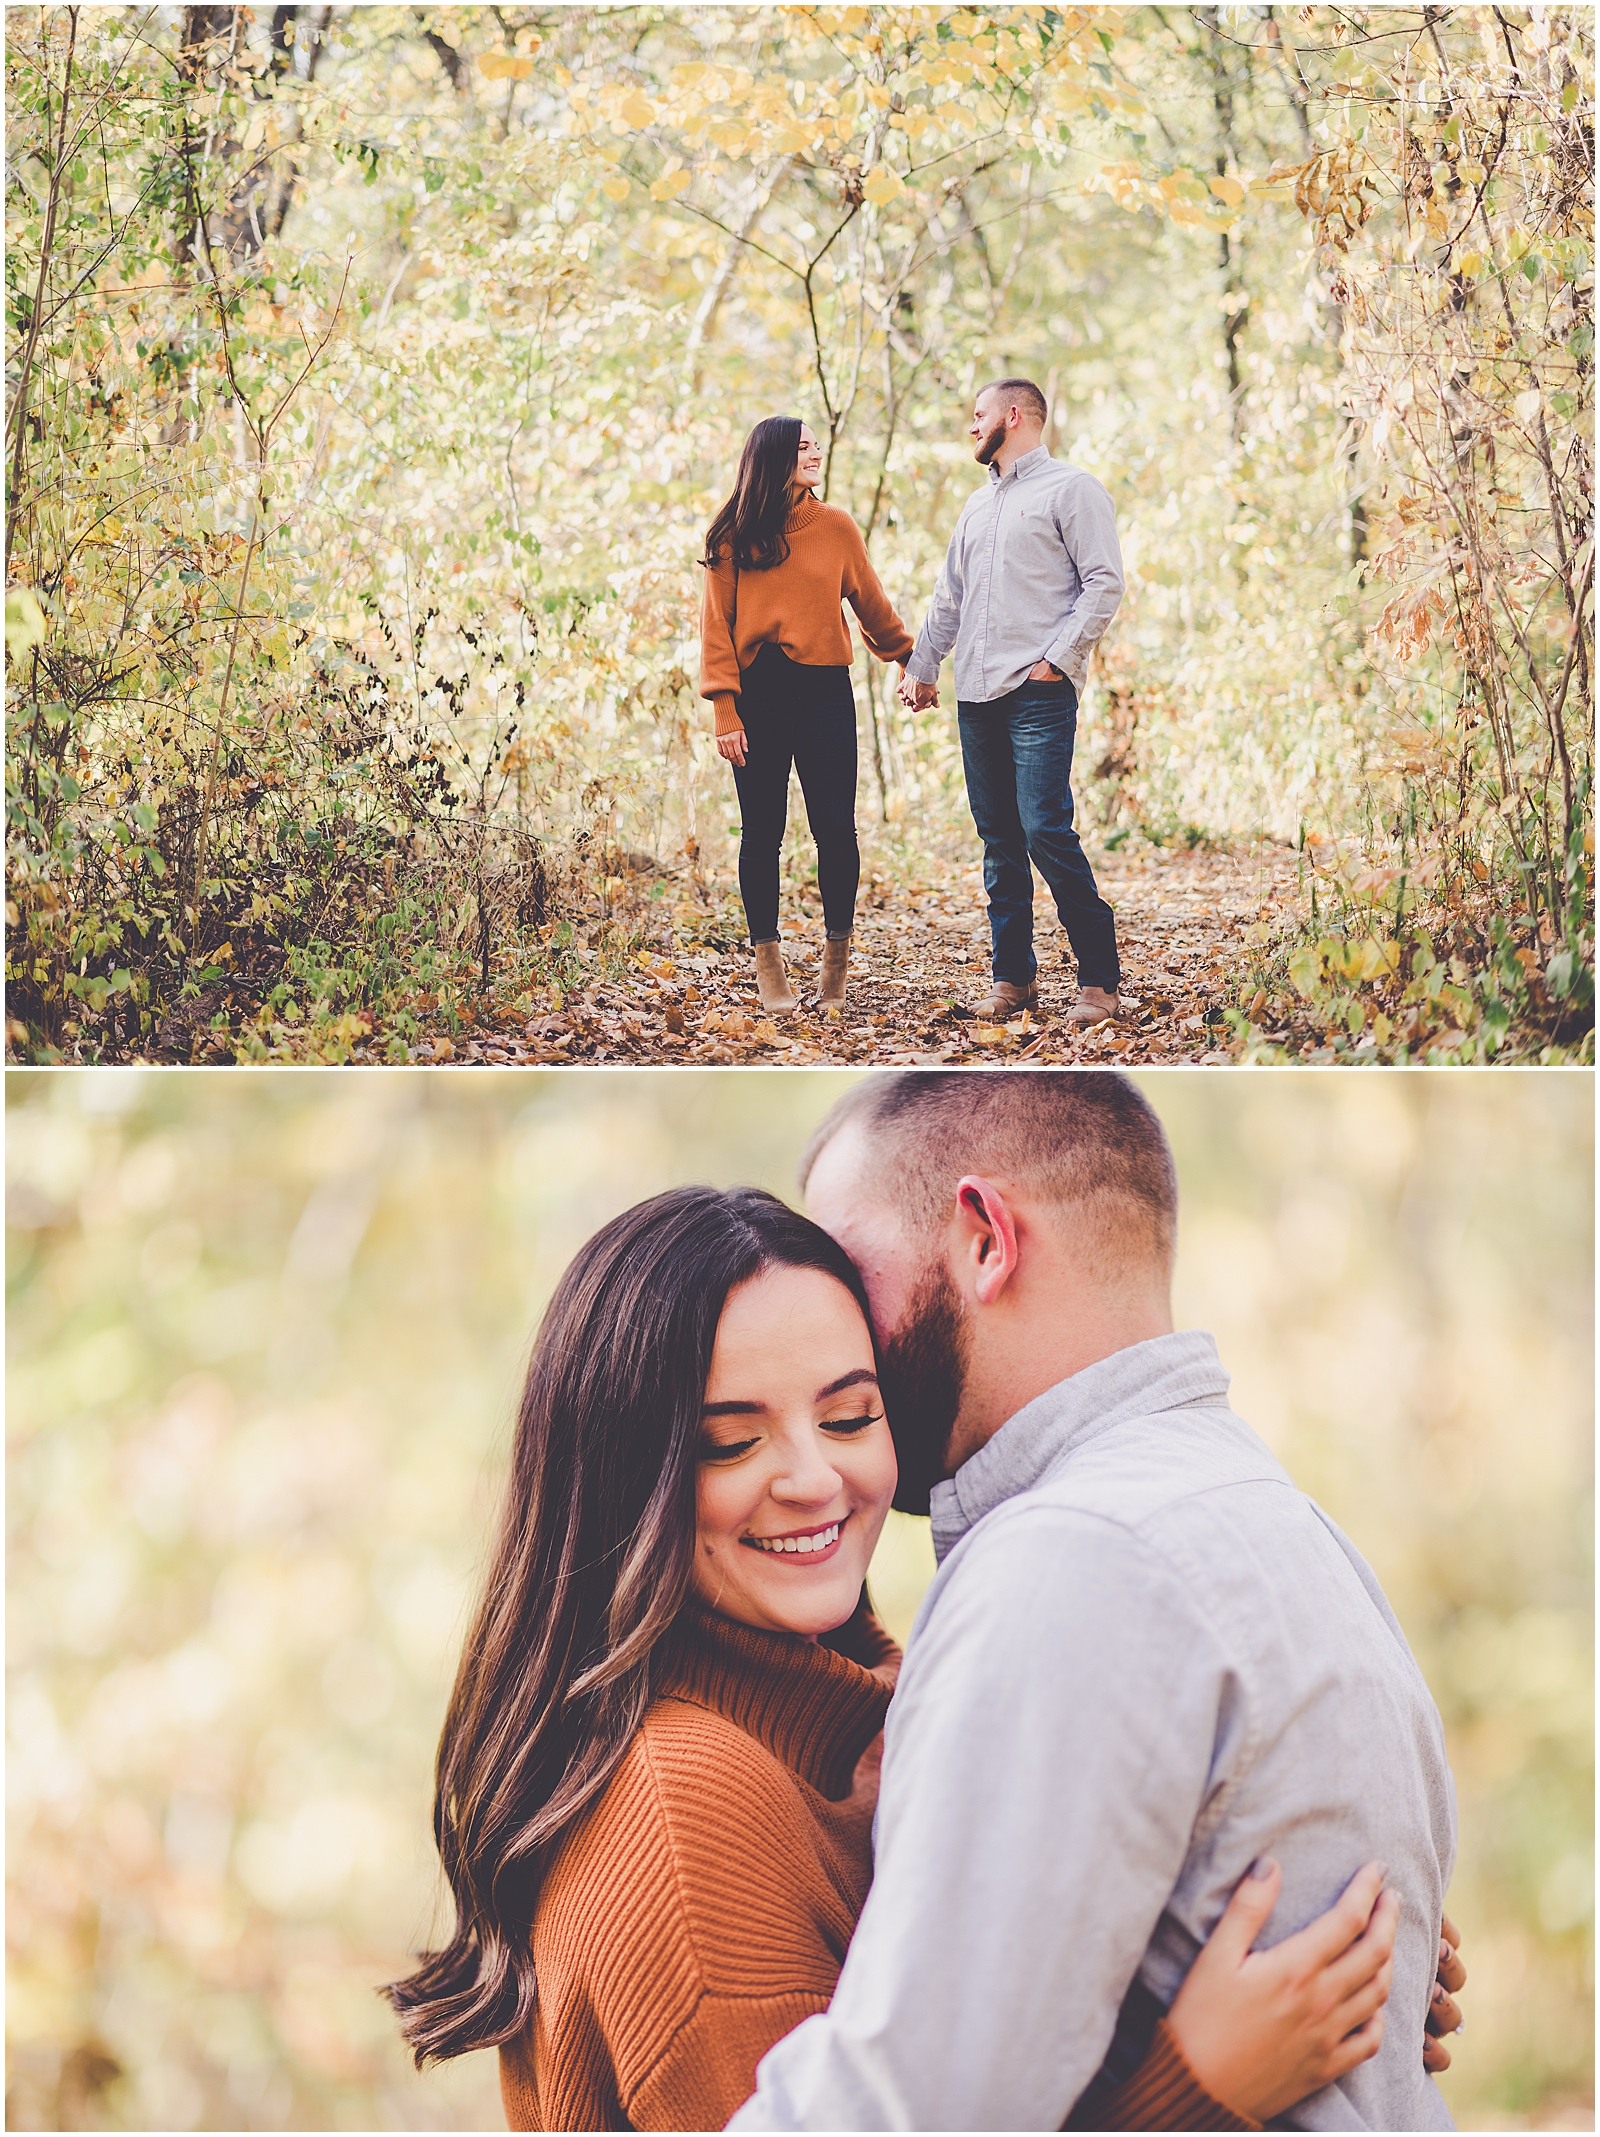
777, 996
835, 964
1004, 1001
1095, 1005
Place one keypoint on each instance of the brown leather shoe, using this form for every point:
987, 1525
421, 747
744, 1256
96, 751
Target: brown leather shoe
1004, 1001
835, 965
1093, 1006
772, 982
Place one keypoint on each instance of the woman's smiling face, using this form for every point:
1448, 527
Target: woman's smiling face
808, 461
797, 1467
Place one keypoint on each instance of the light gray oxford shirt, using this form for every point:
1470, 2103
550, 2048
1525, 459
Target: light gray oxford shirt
1033, 572
1145, 1659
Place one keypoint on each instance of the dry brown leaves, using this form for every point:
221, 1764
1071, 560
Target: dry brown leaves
921, 954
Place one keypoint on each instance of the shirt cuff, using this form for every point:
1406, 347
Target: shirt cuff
726, 707
922, 667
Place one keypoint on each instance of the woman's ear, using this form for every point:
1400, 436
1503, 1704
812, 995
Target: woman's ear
986, 1238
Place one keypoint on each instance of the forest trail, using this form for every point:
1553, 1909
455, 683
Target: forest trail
921, 954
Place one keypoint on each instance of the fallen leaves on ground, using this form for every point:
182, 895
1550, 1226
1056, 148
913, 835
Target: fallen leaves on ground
920, 956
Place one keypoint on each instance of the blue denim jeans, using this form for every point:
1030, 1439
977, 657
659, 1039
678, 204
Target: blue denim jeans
1017, 752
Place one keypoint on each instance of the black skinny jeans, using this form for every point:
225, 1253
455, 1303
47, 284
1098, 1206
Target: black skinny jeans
807, 717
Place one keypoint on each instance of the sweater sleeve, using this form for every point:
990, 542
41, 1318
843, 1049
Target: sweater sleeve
1162, 2094
712, 1931
708, 2068
881, 627
719, 657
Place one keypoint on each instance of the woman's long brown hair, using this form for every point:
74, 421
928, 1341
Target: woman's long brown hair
749, 528
591, 1564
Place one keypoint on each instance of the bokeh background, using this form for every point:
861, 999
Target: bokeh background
266, 1332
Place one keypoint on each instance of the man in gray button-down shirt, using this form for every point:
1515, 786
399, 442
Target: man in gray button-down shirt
1032, 577
1145, 1660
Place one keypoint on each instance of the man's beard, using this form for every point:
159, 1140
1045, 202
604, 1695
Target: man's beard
923, 1370
991, 445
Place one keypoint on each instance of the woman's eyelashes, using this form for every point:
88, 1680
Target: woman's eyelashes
724, 1451
730, 1450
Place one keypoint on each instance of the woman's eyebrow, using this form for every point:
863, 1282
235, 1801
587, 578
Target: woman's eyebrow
862, 1376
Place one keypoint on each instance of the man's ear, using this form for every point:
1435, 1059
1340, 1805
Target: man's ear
985, 1243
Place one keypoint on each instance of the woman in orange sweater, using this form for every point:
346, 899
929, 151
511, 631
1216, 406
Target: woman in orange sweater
657, 1774
775, 663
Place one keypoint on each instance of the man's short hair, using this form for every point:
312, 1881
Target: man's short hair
1024, 393
1086, 1142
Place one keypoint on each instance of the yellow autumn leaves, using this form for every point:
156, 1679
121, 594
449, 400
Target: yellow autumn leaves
727, 111
514, 66
880, 93
1181, 195
912, 90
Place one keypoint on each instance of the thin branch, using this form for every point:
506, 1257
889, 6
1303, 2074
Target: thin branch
19, 406
262, 433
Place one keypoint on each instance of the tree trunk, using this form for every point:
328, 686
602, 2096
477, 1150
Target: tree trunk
258, 202
1235, 299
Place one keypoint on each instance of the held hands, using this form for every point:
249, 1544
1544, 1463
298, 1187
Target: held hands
735, 746
914, 696
1260, 2030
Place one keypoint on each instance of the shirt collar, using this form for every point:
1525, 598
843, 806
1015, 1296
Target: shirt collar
1166, 1373
1023, 466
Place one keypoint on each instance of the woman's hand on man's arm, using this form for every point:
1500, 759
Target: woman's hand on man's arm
1261, 2030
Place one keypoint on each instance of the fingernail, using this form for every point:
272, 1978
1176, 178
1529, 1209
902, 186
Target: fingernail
1438, 1992
1263, 1866
1462, 2027
1444, 1952
1383, 1871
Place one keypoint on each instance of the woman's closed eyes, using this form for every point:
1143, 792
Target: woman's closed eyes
730, 1450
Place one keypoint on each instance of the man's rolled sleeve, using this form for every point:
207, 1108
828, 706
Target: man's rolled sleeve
1047, 1754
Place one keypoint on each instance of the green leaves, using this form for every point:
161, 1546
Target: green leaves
25, 621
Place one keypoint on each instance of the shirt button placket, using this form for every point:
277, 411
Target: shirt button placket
988, 591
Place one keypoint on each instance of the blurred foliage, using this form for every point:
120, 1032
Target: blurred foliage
374, 373
266, 1337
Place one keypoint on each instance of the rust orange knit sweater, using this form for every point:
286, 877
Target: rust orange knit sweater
797, 605
704, 1907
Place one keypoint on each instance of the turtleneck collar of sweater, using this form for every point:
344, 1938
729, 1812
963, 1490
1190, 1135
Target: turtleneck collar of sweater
812, 1707
804, 513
